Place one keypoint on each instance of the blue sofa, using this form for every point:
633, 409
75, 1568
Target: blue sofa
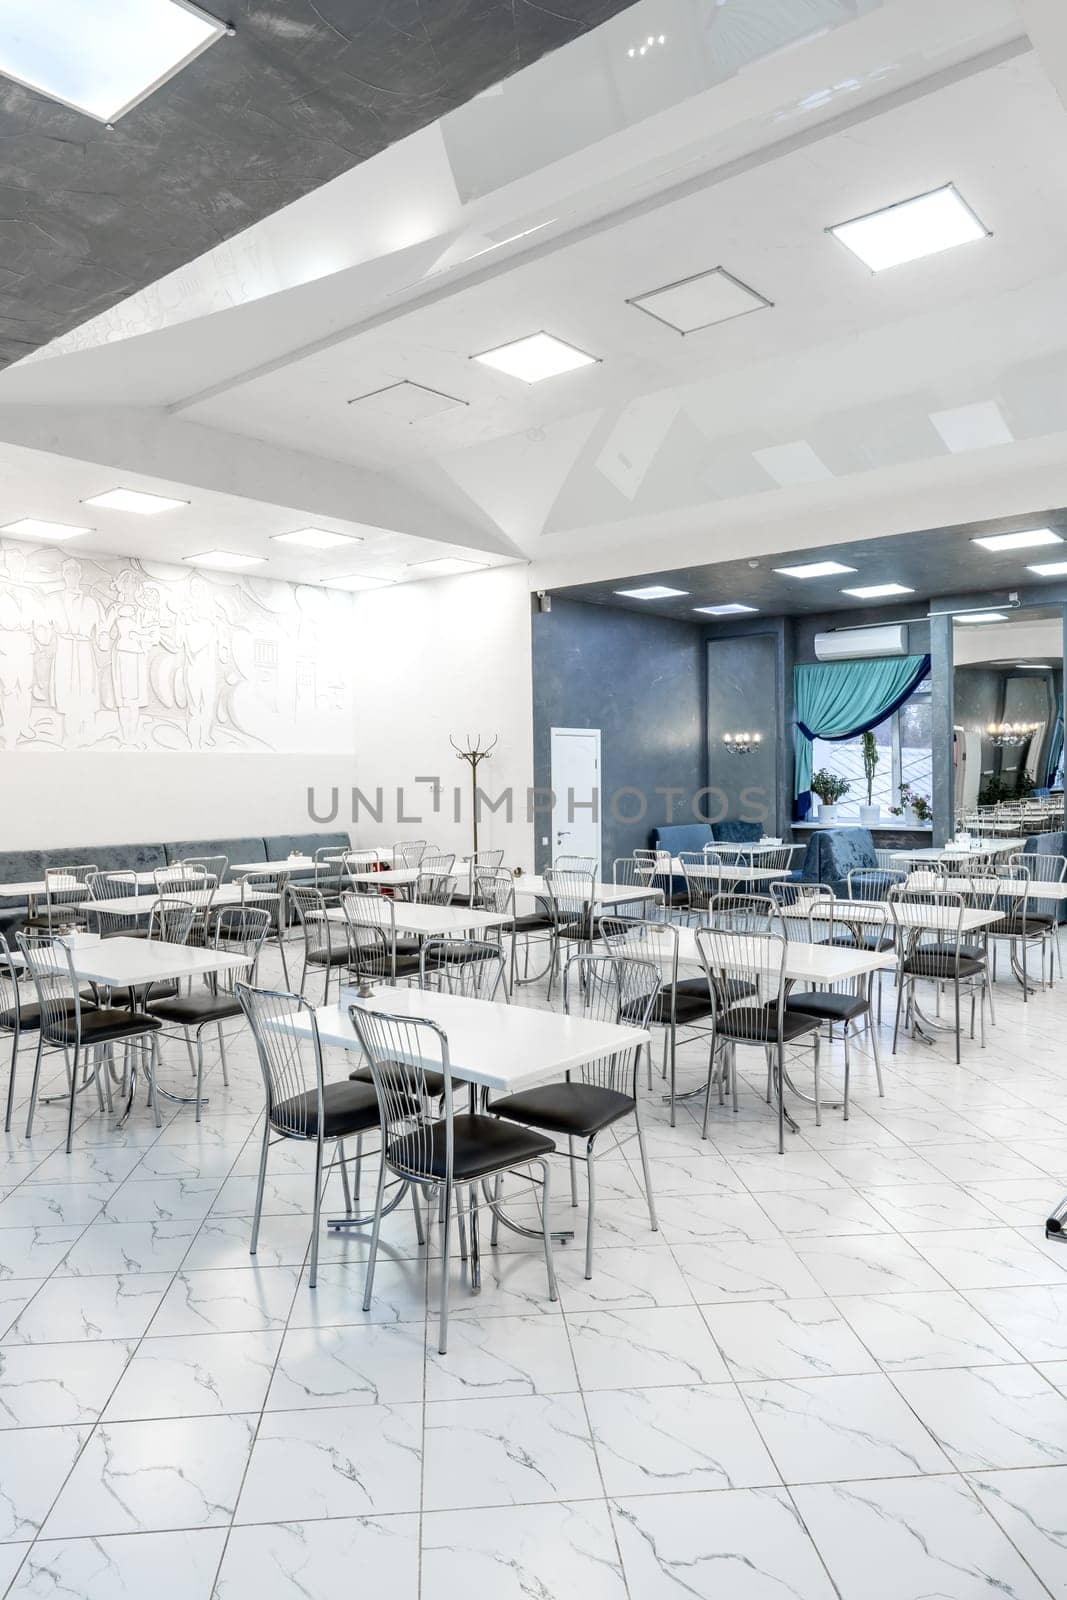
832, 854
1049, 844
676, 836
24, 866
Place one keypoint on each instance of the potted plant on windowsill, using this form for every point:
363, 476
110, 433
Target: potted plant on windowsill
870, 813
914, 807
829, 788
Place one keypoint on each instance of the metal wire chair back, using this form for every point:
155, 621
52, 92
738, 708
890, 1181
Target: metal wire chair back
873, 883
481, 860
931, 912
291, 1063
110, 886
371, 920
472, 968
585, 864
571, 894
435, 886
321, 936
632, 872
495, 891
409, 853
401, 1052
742, 913
171, 920
657, 867
51, 966
648, 940
238, 928
64, 889
745, 969
215, 867
10, 996
608, 988
184, 877
1042, 869
704, 877
328, 866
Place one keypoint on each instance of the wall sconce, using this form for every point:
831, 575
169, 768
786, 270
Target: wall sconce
1008, 735
742, 744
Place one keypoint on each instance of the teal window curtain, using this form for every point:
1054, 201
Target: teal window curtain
1055, 750
842, 699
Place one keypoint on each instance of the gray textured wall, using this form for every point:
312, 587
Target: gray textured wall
641, 681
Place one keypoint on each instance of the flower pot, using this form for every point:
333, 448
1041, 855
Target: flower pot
870, 816
910, 819
827, 811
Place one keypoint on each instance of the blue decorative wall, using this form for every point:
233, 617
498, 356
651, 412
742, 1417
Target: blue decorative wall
641, 681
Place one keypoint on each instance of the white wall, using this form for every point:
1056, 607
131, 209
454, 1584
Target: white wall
450, 656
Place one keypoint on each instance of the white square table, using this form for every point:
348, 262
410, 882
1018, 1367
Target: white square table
139, 905
532, 884
819, 964
387, 877
930, 919
959, 852
727, 872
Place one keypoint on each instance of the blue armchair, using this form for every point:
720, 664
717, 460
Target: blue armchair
832, 853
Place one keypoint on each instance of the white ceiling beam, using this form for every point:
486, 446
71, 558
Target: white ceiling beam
1045, 22
155, 444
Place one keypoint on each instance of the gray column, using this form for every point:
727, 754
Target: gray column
941, 721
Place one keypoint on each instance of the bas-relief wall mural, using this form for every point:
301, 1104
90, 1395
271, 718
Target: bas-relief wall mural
98, 653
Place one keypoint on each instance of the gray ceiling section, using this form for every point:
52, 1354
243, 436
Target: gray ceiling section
304, 91
939, 562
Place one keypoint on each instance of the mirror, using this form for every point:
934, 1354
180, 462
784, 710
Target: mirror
1008, 706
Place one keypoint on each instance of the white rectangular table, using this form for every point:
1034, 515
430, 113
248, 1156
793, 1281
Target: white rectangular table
932, 918
386, 877
139, 905
497, 1046
727, 872
957, 852
532, 884
1010, 887
409, 916
820, 964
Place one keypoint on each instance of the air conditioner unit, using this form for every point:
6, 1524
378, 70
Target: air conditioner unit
852, 643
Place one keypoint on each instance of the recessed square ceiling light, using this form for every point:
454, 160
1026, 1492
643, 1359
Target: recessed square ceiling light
135, 500
1028, 540
700, 301
1033, 666
922, 226
980, 616
355, 582
732, 610
315, 538
405, 401
814, 569
877, 591
445, 566
34, 528
541, 355
103, 59
229, 560
652, 591
792, 464
974, 427
1049, 569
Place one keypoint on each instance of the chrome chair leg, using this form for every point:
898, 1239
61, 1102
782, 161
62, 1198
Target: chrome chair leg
649, 1197
35, 1086
546, 1228
446, 1232
590, 1179
368, 1286
260, 1186
73, 1099
224, 1064
313, 1274
345, 1185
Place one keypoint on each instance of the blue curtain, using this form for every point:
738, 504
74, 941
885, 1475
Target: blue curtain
841, 699
1055, 749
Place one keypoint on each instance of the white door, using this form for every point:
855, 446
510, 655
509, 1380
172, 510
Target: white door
576, 793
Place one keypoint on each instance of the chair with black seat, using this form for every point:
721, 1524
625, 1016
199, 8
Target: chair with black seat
1007, 889
657, 867
237, 930
599, 1094
704, 879
745, 967
371, 920
847, 1003
572, 898
300, 1104
634, 872
68, 1024
193, 881
495, 890
681, 1002
266, 891
327, 943
481, 861
214, 869
1044, 911
114, 924
65, 889
435, 883
929, 922
408, 853
171, 920
328, 879
441, 1156
583, 864
793, 904
19, 1016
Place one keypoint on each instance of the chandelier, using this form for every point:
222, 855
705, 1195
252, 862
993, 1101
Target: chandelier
1008, 735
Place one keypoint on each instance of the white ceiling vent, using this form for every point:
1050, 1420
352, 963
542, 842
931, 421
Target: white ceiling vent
852, 644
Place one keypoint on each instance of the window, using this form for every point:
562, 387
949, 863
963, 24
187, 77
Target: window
904, 744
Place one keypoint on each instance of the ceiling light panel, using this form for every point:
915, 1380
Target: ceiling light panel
911, 229
535, 358
135, 500
974, 427
652, 591
980, 616
105, 58
1049, 569
34, 528
225, 560
315, 539
732, 610
1028, 540
700, 301
445, 567
814, 569
405, 402
878, 591
792, 464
